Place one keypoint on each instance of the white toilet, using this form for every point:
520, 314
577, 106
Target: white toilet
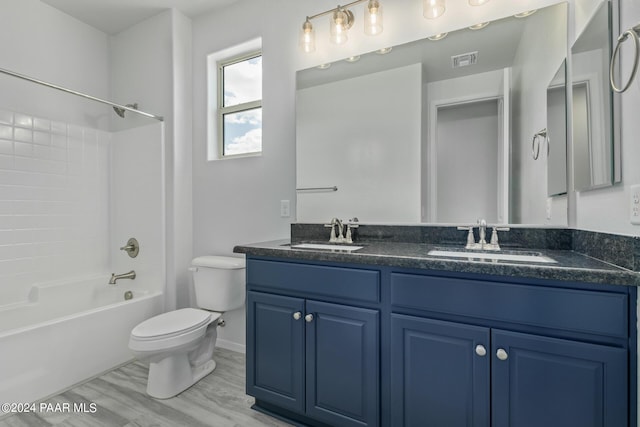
179, 344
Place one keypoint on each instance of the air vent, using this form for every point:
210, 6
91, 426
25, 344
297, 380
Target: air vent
464, 59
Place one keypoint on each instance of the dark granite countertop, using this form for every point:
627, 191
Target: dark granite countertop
570, 266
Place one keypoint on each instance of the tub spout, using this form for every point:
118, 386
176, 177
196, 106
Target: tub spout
116, 277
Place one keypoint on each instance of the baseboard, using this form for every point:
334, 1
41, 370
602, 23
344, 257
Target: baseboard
230, 345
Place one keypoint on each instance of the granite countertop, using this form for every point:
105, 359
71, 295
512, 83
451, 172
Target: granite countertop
570, 266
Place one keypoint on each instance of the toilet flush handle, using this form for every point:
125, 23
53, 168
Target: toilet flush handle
193, 269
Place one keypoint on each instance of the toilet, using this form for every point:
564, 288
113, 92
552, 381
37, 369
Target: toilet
179, 344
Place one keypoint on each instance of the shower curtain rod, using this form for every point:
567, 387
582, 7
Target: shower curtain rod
84, 95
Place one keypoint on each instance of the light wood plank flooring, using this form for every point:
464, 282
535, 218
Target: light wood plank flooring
217, 400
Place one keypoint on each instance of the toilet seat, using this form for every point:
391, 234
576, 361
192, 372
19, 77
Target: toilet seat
171, 330
173, 323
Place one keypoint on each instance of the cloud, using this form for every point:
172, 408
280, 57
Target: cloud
243, 82
251, 117
250, 142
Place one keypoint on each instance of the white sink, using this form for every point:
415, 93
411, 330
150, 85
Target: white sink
493, 256
326, 247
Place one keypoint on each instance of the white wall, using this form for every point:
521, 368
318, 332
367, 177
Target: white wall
607, 210
137, 204
541, 51
44, 43
371, 153
238, 200
151, 65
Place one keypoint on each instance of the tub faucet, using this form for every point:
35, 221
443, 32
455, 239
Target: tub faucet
114, 277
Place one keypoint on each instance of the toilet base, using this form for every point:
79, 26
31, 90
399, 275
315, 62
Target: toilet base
173, 375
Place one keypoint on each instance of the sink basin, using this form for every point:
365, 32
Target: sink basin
523, 257
328, 247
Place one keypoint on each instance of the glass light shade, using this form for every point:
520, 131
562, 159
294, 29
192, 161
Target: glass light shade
373, 18
477, 2
433, 8
338, 27
308, 38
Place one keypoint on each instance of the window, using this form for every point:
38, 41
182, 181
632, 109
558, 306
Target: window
239, 111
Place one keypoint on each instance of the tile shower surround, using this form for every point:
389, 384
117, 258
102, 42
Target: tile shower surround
54, 202
623, 251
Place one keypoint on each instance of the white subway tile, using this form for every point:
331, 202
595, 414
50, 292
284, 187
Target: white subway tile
59, 128
23, 149
6, 147
6, 132
42, 124
6, 117
59, 141
6, 162
24, 135
42, 138
23, 120
42, 152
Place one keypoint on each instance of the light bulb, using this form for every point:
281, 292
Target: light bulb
339, 27
373, 18
433, 8
307, 37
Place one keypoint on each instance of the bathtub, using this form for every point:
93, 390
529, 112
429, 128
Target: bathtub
66, 333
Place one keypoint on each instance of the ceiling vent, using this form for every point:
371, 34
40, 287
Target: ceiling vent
464, 59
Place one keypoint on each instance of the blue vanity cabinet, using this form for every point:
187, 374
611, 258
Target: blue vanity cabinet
470, 370
316, 359
439, 373
275, 356
543, 381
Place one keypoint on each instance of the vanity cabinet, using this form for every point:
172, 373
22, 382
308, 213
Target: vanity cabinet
460, 374
349, 345
314, 358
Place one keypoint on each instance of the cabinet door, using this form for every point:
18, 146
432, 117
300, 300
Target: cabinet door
342, 364
439, 373
541, 381
275, 350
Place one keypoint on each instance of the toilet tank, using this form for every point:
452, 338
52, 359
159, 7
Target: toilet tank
219, 282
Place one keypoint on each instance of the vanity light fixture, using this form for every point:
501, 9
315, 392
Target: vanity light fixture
477, 2
340, 21
384, 50
437, 37
432, 9
525, 14
479, 26
324, 66
353, 58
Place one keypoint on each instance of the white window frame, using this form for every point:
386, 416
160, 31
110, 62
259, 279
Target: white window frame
213, 138
222, 110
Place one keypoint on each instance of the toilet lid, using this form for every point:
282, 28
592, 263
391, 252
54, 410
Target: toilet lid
172, 323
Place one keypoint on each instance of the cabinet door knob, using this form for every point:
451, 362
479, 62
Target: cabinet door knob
309, 318
297, 315
480, 350
502, 354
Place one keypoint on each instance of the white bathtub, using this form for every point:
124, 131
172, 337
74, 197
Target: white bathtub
66, 333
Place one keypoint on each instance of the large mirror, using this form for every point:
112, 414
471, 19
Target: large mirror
433, 131
557, 133
595, 146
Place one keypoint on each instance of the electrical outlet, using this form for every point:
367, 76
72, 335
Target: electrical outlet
634, 205
285, 208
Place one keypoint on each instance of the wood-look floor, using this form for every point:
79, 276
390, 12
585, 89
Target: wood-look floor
119, 396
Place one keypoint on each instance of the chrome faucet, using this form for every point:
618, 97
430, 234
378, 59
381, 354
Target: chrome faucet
115, 277
342, 235
482, 230
482, 241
